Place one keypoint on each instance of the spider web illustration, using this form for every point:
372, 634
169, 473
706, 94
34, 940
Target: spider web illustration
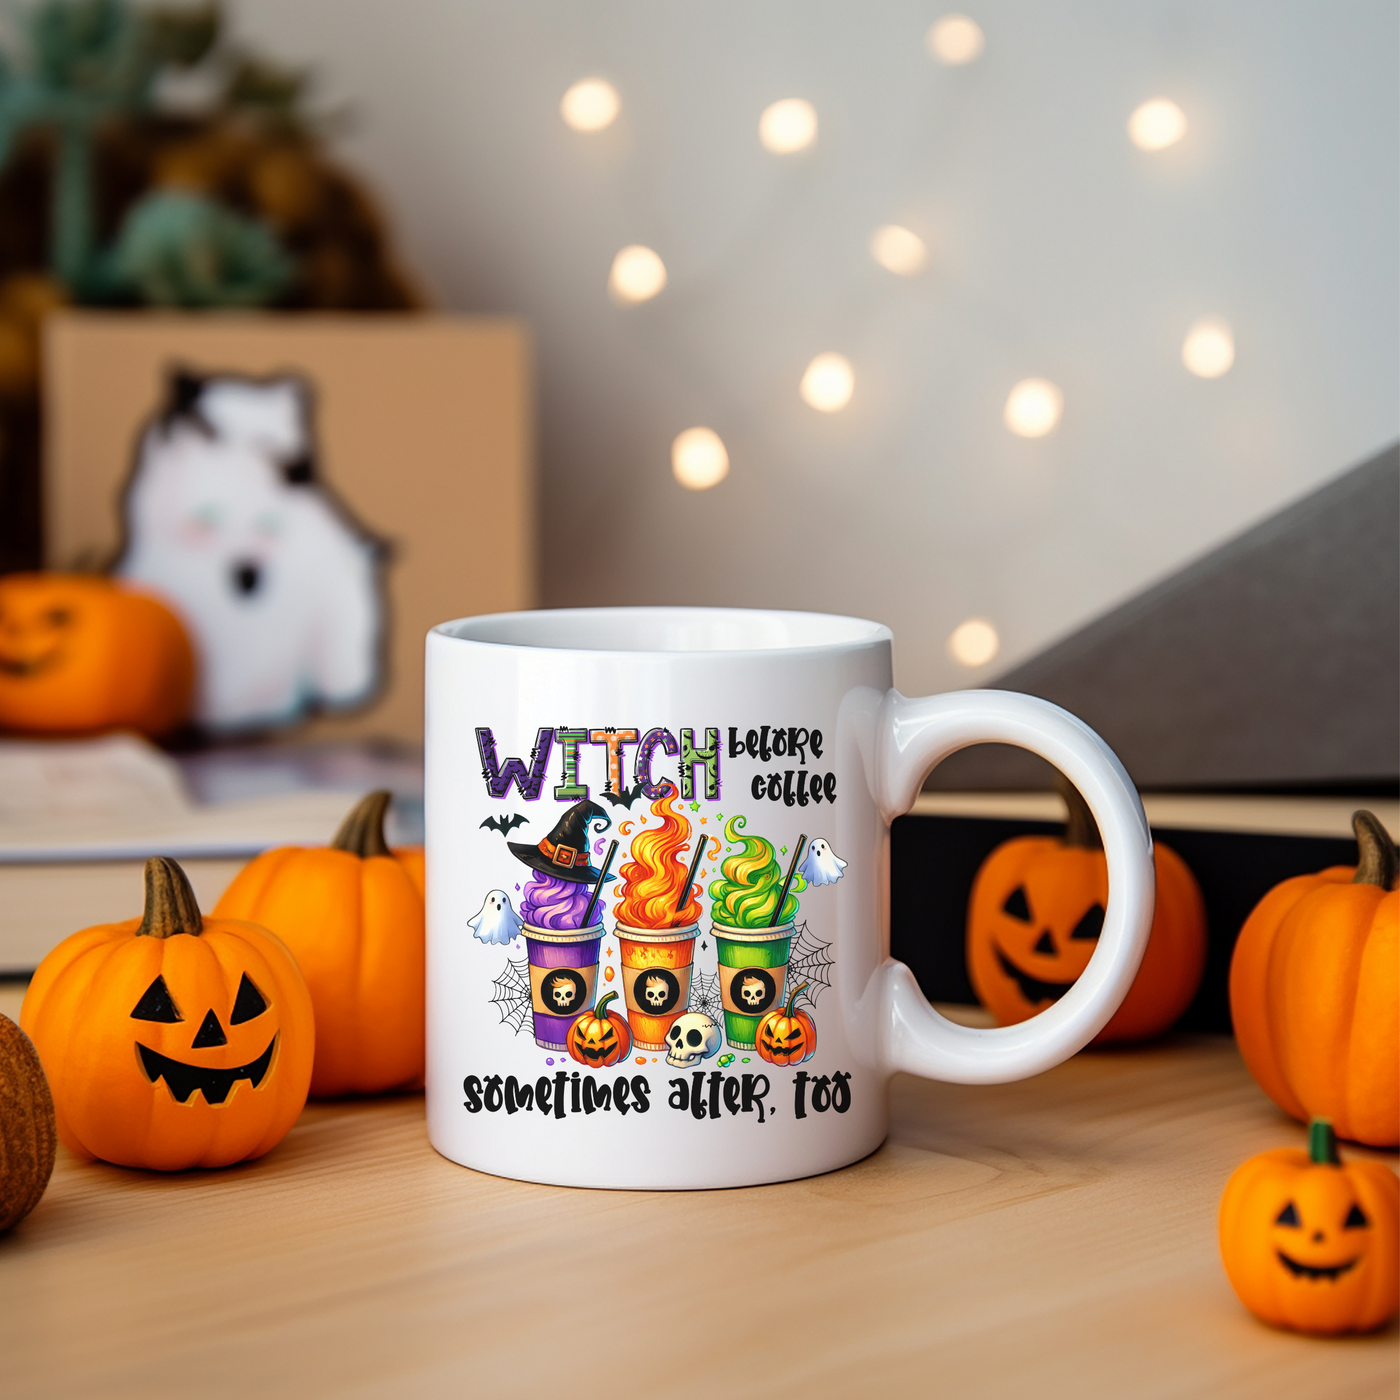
809, 963
705, 997
512, 994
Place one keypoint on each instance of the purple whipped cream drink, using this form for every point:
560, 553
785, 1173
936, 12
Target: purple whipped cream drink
563, 955
553, 903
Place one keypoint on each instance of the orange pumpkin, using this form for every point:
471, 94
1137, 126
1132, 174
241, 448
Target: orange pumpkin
1034, 918
1310, 1244
82, 653
27, 1131
598, 1037
172, 1041
352, 913
1314, 993
785, 1036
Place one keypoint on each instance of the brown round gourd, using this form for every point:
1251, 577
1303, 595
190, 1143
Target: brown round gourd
27, 1132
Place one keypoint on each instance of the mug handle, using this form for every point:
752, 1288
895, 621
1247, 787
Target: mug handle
914, 736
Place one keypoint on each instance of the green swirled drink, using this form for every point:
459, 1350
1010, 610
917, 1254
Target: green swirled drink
754, 947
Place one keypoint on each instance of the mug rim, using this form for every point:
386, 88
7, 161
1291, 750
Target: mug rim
845, 633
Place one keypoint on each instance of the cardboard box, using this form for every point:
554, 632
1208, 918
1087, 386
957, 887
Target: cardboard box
425, 427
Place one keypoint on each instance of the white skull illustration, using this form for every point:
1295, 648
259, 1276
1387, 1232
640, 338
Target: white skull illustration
752, 992
563, 994
656, 992
693, 1038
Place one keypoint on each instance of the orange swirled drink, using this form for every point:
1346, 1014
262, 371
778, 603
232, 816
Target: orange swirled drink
657, 938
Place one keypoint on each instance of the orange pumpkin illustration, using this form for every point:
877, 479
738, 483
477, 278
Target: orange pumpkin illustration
1034, 919
598, 1037
352, 914
82, 653
1310, 1244
172, 1040
1314, 995
785, 1036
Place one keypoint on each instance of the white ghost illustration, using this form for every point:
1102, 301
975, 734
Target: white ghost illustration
496, 921
821, 865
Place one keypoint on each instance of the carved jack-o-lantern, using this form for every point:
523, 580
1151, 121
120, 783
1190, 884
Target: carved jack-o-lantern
785, 1036
1034, 919
80, 654
598, 1037
172, 1041
1311, 1244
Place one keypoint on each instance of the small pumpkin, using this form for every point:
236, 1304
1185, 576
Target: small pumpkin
599, 1037
172, 1041
27, 1132
1314, 995
1310, 1244
786, 1036
80, 654
1034, 919
353, 915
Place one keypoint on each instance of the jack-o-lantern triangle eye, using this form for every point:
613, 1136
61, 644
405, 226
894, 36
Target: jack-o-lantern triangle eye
1288, 1215
1356, 1219
1017, 905
248, 1003
156, 1004
1091, 925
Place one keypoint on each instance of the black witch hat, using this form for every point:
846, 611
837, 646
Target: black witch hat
564, 852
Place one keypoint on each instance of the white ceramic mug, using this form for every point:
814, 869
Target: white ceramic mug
745, 1040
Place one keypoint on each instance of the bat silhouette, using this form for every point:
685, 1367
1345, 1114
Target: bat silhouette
626, 797
505, 825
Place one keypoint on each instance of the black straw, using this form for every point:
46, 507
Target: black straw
598, 888
792, 870
690, 879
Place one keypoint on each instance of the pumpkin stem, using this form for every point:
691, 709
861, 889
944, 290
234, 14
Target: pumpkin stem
1378, 863
600, 1010
1081, 830
797, 992
362, 832
171, 907
1322, 1143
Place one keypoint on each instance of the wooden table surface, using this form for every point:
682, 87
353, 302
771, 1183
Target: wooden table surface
1045, 1239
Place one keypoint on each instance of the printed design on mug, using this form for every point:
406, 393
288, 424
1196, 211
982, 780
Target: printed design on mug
742, 975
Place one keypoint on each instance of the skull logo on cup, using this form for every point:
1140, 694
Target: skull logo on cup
693, 1038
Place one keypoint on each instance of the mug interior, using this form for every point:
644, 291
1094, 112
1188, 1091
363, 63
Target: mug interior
666, 630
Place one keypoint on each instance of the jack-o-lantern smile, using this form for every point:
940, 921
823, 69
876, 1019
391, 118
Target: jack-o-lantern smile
31, 645
215, 1084
1032, 988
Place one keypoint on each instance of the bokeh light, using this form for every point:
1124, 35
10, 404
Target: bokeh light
638, 274
1209, 348
974, 642
828, 383
1033, 407
898, 249
956, 40
787, 126
699, 459
1156, 125
590, 105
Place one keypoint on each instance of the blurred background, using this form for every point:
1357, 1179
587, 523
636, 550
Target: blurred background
1054, 248
1061, 338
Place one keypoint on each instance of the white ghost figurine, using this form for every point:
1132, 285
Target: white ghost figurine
821, 865
496, 921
